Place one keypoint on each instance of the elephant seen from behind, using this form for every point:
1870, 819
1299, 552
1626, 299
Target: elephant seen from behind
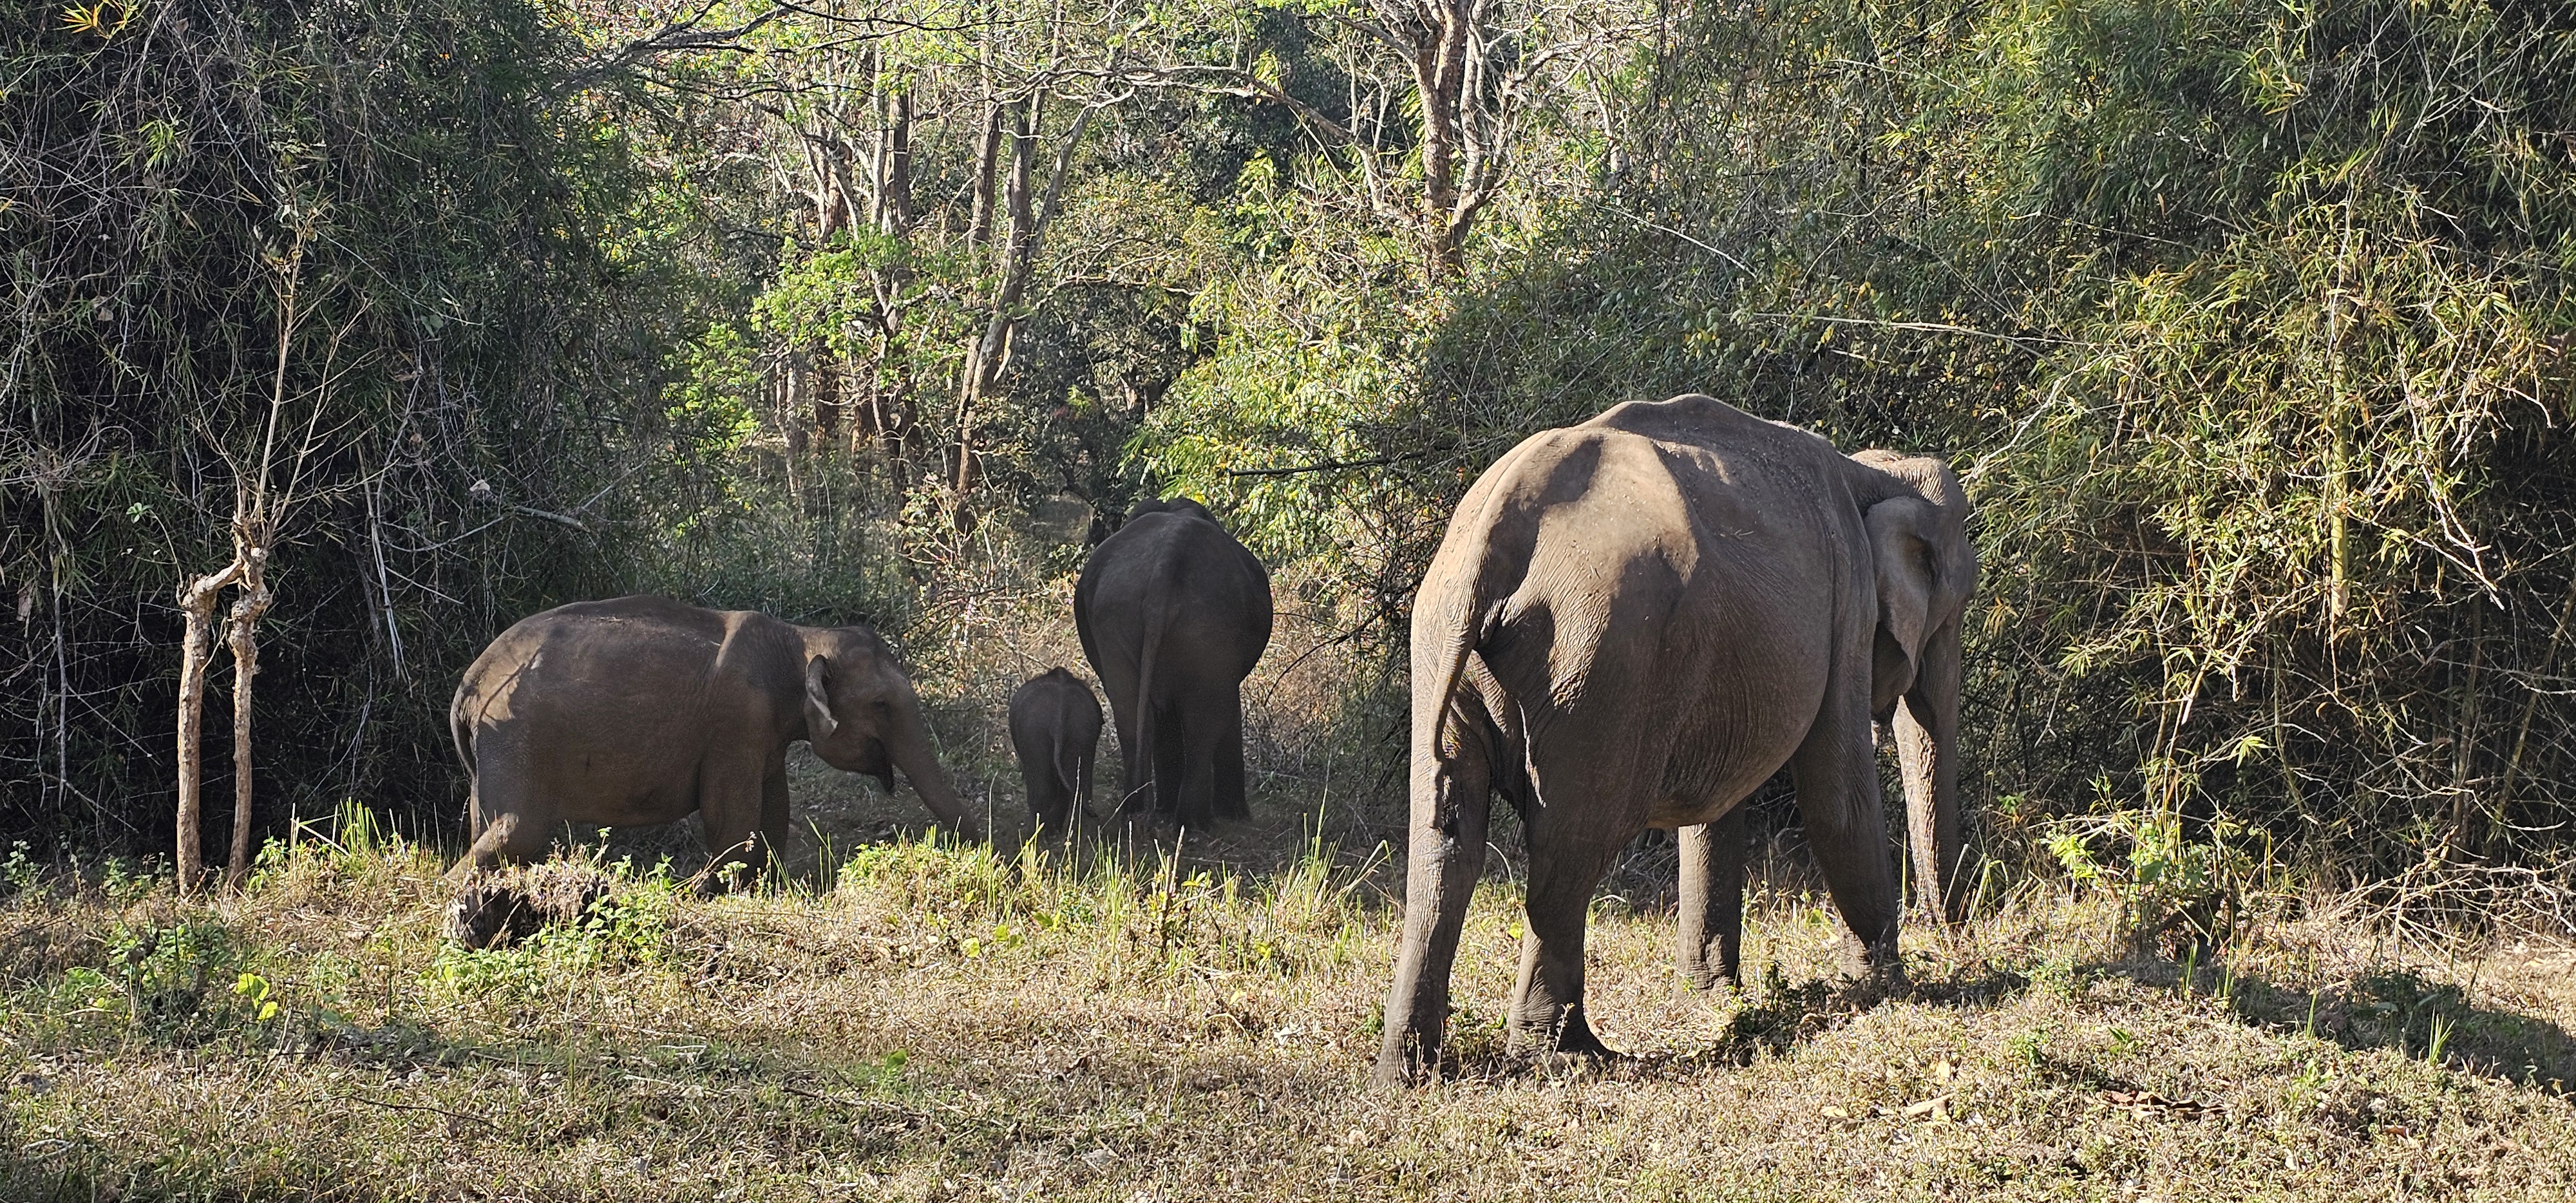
640, 710
1633, 623
1055, 733
1173, 614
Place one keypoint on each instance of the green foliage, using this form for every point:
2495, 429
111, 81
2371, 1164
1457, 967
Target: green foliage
2243, 323
472, 310
2190, 894
183, 982
628, 930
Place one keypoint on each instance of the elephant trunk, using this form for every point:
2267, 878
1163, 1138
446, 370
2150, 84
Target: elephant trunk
909, 745
1927, 746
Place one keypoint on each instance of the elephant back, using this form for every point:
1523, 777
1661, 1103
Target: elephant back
1172, 563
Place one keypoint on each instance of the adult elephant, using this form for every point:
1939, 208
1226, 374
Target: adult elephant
640, 710
1173, 614
1633, 623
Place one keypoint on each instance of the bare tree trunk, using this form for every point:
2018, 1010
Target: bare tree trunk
988, 149
248, 607
827, 397
983, 358
1439, 67
894, 166
792, 395
197, 602
988, 152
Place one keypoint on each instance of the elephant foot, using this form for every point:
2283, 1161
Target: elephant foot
1405, 1068
1705, 981
1872, 975
1569, 1035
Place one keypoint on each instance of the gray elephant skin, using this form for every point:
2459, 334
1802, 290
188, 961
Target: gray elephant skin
1055, 733
640, 710
1633, 623
1173, 614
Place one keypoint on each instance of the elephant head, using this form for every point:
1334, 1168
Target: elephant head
862, 716
1925, 570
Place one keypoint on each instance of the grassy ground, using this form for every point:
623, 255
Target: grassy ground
920, 1022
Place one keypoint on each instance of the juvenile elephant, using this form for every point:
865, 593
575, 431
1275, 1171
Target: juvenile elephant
1633, 623
639, 710
1173, 614
1055, 731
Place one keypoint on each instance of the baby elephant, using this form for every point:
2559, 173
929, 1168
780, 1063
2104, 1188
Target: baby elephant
1055, 729
641, 710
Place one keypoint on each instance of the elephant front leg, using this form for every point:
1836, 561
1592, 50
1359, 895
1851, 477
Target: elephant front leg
1451, 808
1836, 770
773, 817
1711, 936
736, 807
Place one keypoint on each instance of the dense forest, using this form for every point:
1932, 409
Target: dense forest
2245, 323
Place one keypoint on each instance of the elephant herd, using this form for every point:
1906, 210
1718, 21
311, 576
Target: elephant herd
1629, 624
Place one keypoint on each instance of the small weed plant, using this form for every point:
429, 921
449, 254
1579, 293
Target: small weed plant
2179, 895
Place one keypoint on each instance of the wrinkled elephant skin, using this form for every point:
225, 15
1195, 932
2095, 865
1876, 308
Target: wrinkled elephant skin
1633, 623
1173, 615
639, 710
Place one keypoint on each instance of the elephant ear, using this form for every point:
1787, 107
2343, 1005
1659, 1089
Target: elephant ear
819, 722
1901, 532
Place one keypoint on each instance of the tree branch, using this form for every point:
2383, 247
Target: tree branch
1239, 83
1329, 465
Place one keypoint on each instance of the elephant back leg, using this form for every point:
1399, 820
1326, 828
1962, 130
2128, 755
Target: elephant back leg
1171, 761
510, 820
1231, 799
1593, 771
1135, 795
1184, 772
1210, 732
1037, 775
1710, 934
1452, 807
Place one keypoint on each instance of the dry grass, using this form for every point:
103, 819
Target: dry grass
911, 1021
927, 1022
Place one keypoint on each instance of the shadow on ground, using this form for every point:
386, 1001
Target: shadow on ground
2399, 1009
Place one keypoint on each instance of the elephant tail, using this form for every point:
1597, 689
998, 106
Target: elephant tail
1457, 608
1067, 767
462, 730
1462, 620
1156, 616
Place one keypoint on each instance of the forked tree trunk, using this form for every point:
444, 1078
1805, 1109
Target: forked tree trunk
983, 357
256, 516
1031, 213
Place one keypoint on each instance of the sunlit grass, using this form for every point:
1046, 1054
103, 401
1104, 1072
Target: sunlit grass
927, 1020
